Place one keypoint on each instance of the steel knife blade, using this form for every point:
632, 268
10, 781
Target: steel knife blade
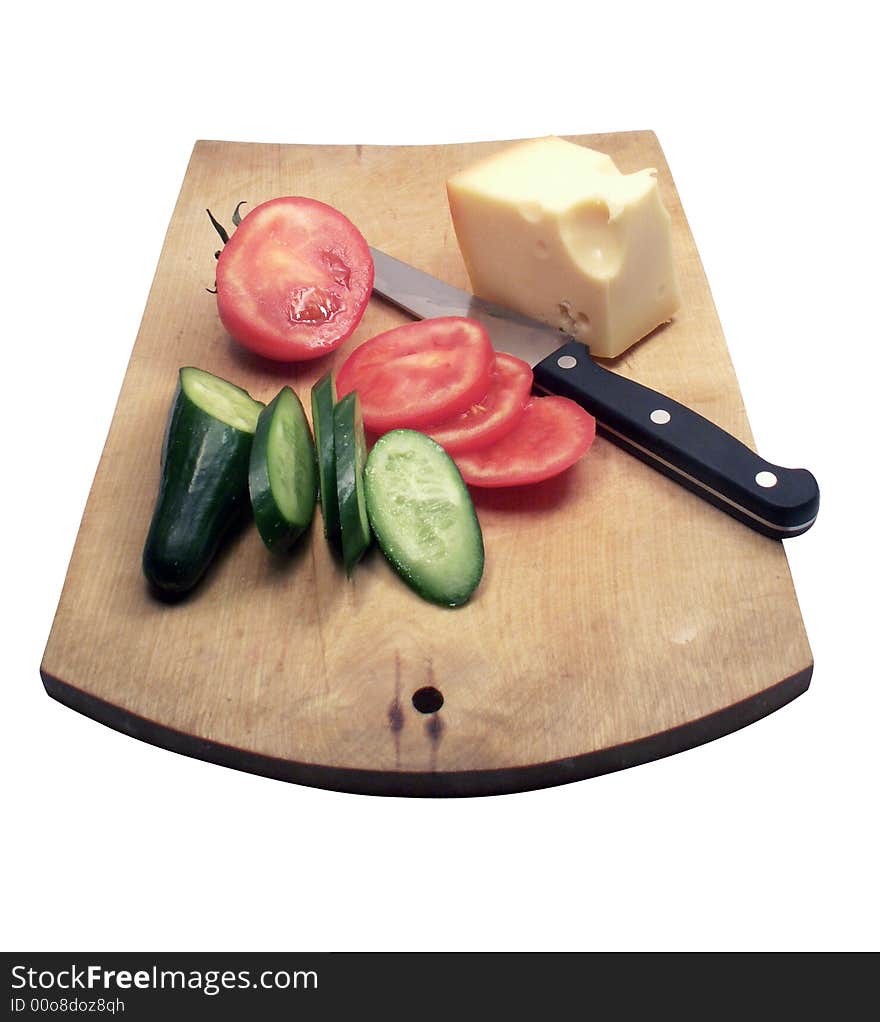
677, 441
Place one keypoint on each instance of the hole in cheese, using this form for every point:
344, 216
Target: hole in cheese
592, 239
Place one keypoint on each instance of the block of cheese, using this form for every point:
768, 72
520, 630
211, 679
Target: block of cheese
554, 231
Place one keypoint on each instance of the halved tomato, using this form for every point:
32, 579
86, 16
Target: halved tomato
419, 374
550, 436
494, 414
294, 279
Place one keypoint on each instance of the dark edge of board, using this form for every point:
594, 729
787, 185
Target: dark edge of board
450, 784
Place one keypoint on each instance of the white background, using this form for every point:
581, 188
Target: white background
767, 114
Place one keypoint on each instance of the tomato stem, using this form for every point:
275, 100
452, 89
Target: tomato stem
218, 227
224, 236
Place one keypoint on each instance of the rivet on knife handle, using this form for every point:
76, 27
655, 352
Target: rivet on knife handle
677, 441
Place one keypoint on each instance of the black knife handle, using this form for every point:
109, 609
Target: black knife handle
685, 446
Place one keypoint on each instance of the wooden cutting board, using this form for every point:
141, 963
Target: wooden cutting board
620, 618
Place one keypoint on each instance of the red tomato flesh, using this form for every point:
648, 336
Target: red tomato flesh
294, 279
419, 374
550, 436
493, 415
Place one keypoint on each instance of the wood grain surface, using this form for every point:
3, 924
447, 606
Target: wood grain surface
620, 618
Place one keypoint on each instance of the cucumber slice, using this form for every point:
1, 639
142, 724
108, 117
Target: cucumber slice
283, 477
323, 402
423, 518
351, 455
203, 480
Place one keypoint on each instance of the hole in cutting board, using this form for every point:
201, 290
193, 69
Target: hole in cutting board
427, 699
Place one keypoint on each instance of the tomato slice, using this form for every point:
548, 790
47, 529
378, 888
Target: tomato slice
550, 436
419, 374
493, 415
294, 279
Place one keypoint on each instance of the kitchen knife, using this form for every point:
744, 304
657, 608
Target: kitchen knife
680, 443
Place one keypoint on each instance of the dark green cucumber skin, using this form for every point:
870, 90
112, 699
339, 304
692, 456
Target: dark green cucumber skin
277, 534
203, 493
409, 573
345, 440
322, 420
